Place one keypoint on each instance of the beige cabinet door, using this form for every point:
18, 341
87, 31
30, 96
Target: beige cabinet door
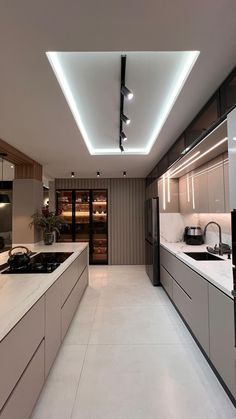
216, 185
226, 181
52, 324
221, 325
186, 199
201, 189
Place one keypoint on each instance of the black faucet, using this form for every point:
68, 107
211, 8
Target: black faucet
220, 235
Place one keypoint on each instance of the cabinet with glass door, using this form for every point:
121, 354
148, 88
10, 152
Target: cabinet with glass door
85, 212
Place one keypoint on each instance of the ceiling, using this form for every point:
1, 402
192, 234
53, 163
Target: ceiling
90, 82
35, 116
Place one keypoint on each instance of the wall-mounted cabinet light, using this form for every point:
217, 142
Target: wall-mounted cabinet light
125, 119
123, 136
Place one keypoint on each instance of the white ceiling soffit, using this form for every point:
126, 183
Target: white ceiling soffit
90, 82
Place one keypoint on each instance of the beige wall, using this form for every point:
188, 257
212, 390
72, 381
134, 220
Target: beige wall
27, 199
125, 217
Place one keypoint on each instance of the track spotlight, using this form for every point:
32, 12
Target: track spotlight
127, 93
123, 136
72, 174
124, 119
98, 174
124, 173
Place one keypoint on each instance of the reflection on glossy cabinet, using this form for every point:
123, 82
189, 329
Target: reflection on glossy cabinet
185, 195
216, 185
206, 189
201, 189
168, 192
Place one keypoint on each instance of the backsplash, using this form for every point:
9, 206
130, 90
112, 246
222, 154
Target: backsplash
172, 226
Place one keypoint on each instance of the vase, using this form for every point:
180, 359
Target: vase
48, 238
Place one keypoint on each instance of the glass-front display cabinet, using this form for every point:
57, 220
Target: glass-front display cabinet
86, 215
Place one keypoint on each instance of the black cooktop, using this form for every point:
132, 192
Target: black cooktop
44, 263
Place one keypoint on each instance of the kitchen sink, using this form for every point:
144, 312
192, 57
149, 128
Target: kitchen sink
202, 256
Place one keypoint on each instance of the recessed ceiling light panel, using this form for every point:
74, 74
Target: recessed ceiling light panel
91, 85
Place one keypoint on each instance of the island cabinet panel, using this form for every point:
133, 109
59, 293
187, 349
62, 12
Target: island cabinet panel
166, 281
222, 349
72, 274
52, 324
24, 396
17, 349
71, 304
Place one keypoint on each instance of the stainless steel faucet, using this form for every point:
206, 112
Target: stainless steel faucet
220, 235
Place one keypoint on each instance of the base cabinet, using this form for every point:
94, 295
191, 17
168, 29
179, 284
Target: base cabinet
22, 400
52, 324
30, 348
166, 281
208, 312
222, 349
71, 304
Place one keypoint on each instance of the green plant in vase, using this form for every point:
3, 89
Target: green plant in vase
48, 222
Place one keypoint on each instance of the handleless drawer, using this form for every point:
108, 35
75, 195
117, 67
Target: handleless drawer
18, 347
24, 396
167, 260
72, 274
70, 306
166, 281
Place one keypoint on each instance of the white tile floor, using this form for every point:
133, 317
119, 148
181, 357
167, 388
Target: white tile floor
127, 355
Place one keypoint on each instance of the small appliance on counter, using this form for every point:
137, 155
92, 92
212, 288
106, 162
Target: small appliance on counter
193, 235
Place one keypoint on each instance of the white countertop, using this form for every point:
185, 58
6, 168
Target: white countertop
219, 273
19, 292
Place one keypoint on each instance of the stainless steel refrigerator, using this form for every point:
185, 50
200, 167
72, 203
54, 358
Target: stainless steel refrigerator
152, 240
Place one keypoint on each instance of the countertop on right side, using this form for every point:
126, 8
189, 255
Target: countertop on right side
218, 273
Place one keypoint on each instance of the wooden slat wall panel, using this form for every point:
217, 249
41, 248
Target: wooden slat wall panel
82, 183
125, 216
127, 221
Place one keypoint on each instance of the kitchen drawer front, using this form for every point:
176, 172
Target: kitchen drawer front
222, 349
166, 281
71, 304
83, 260
167, 260
18, 347
72, 274
69, 279
24, 396
52, 324
183, 302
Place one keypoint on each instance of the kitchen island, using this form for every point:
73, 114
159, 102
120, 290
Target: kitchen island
35, 314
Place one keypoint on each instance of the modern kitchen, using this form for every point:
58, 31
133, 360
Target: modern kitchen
117, 212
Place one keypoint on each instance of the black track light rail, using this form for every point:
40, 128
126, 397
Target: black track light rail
122, 83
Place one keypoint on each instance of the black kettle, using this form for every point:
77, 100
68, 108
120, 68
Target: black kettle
19, 260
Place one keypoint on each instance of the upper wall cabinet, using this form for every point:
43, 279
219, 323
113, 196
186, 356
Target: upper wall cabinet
206, 189
215, 179
168, 192
231, 129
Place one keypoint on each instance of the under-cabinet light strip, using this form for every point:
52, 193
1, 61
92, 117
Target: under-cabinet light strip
188, 191
164, 194
168, 189
201, 155
193, 193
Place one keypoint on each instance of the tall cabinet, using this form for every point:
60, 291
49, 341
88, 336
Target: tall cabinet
85, 213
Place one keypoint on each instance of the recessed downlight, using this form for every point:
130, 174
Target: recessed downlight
72, 174
123, 136
124, 173
98, 174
